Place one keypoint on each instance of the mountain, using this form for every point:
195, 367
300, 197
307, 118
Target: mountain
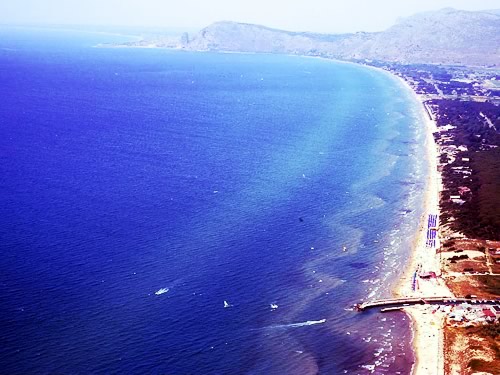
242, 37
447, 36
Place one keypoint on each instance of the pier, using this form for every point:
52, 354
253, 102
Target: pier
409, 301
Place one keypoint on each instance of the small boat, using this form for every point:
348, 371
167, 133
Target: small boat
161, 291
226, 304
274, 306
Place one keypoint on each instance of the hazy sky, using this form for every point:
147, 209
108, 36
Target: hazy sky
297, 15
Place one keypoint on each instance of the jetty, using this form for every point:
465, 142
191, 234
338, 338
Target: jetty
409, 301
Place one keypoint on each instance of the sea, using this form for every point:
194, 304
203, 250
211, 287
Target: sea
173, 212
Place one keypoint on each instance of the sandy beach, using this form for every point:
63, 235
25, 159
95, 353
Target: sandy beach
426, 323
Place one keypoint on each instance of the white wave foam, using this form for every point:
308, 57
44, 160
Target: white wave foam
301, 324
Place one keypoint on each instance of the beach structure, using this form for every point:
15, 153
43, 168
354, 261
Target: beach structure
408, 301
432, 226
488, 314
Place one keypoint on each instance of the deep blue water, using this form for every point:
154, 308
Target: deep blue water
221, 177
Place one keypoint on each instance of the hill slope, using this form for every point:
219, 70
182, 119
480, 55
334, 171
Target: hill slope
446, 36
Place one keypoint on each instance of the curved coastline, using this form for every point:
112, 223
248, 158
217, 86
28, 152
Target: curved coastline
427, 330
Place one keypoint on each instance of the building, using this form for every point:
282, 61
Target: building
488, 314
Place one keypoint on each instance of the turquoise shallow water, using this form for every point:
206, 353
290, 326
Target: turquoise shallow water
217, 177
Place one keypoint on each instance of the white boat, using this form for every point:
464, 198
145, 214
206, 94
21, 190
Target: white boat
274, 306
226, 304
161, 291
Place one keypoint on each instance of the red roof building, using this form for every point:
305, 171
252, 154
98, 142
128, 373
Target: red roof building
488, 313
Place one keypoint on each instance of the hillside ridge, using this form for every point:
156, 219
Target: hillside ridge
447, 36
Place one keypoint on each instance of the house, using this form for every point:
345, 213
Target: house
496, 309
456, 199
488, 314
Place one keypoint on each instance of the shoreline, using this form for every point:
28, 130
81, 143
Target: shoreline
427, 327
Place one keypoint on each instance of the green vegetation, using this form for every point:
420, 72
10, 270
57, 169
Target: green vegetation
491, 284
491, 334
491, 330
458, 257
480, 365
478, 215
486, 166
